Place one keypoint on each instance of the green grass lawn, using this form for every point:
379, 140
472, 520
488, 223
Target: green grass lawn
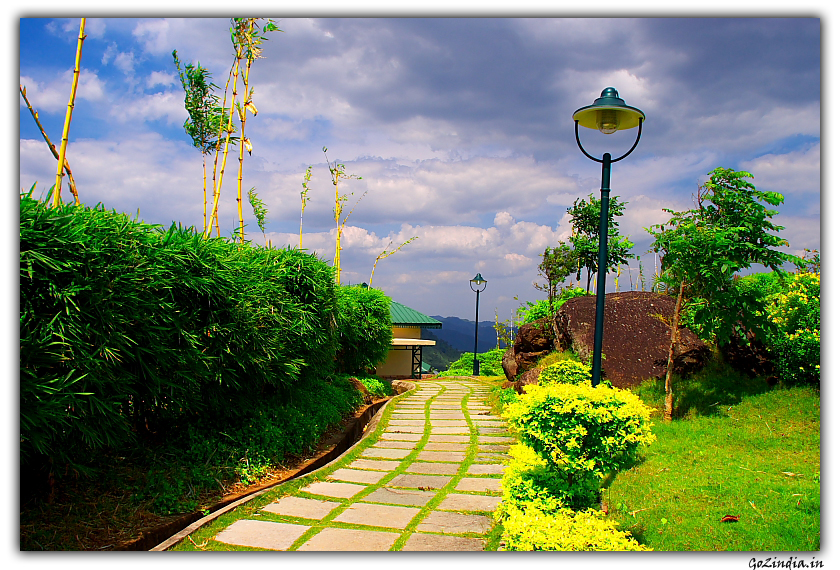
757, 461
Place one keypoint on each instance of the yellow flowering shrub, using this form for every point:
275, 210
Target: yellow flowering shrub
565, 372
796, 313
582, 433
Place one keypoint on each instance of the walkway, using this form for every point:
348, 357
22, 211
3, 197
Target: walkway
430, 481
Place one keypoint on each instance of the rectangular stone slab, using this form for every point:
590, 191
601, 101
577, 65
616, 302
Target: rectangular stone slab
385, 453
262, 534
450, 430
486, 469
301, 507
455, 523
376, 464
397, 444
354, 540
433, 468
424, 482
358, 476
401, 436
479, 484
445, 446
419, 542
460, 502
449, 438
412, 497
378, 515
450, 456
331, 489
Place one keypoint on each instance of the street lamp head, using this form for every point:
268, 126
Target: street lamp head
608, 114
480, 283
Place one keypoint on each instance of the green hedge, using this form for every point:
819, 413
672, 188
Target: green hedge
364, 328
124, 324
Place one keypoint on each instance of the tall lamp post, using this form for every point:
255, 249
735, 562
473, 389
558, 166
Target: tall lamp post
477, 284
608, 114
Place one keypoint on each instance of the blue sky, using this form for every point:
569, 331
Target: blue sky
460, 128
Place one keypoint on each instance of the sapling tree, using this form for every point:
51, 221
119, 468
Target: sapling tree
557, 263
703, 249
586, 216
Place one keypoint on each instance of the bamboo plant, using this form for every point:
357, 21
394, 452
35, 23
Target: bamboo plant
70, 181
69, 115
387, 253
304, 198
337, 173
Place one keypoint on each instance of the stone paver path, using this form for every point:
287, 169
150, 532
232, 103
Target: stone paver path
429, 482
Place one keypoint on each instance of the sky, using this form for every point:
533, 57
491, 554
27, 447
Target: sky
459, 129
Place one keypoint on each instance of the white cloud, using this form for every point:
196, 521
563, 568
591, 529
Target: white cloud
796, 172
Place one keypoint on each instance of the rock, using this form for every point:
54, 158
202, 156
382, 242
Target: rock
533, 341
754, 359
636, 336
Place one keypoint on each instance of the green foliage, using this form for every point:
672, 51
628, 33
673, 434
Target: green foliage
557, 263
205, 451
565, 372
796, 314
583, 433
586, 228
125, 325
260, 211
377, 387
489, 363
202, 105
705, 247
535, 518
364, 328
531, 312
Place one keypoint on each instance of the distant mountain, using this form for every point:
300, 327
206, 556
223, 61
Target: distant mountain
440, 356
460, 334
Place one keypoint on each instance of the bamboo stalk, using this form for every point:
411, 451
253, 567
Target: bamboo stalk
215, 211
70, 181
242, 117
66, 132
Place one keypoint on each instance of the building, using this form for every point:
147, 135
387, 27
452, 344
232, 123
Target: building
405, 359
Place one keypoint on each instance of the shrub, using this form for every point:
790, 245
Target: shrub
531, 312
796, 342
364, 328
565, 372
490, 364
535, 517
584, 433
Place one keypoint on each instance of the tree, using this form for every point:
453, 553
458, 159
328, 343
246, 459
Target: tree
705, 247
557, 263
586, 224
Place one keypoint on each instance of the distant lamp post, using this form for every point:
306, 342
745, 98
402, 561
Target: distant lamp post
608, 114
477, 284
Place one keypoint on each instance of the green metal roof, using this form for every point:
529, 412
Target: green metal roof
402, 316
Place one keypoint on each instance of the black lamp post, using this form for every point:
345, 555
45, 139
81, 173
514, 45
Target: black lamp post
477, 284
607, 114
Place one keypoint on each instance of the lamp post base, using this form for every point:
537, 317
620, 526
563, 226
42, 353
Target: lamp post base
475, 368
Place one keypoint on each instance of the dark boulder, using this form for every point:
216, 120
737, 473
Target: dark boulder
637, 335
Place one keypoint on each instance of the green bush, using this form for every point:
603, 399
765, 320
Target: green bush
364, 328
796, 342
534, 516
125, 326
490, 364
531, 312
583, 433
565, 372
